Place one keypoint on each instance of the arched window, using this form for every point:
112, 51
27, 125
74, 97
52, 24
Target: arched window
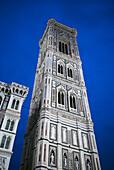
13, 103
60, 46
7, 124
70, 72
8, 143
2, 89
72, 101
3, 141
17, 105
21, 92
0, 100
61, 97
66, 49
17, 91
12, 125
6, 90
24, 93
60, 68
63, 47
13, 89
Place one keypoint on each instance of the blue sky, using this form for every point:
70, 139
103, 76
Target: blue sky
22, 24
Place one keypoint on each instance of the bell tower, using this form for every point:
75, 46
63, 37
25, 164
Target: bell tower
60, 131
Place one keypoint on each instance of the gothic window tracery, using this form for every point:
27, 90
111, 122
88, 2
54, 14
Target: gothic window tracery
7, 124
73, 101
15, 104
61, 97
3, 141
70, 72
8, 143
63, 47
12, 125
60, 68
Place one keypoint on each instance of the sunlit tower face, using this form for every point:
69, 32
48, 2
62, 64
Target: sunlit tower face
60, 130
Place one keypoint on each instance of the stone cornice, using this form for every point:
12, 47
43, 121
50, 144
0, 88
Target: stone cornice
60, 25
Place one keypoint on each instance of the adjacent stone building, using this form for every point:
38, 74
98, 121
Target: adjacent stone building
11, 100
60, 131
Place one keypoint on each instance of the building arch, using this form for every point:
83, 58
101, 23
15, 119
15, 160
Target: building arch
8, 142
70, 70
3, 141
60, 67
61, 96
12, 125
63, 44
7, 124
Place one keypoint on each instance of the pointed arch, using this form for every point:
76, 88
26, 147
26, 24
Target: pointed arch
7, 124
60, 67
73, 101
12, 125
17, 105
3, 141
8, 143
13, 104
61, 97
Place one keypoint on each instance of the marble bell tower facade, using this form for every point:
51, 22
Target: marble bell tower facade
60, 131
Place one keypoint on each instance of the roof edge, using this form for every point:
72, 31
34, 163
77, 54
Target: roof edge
56, 23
